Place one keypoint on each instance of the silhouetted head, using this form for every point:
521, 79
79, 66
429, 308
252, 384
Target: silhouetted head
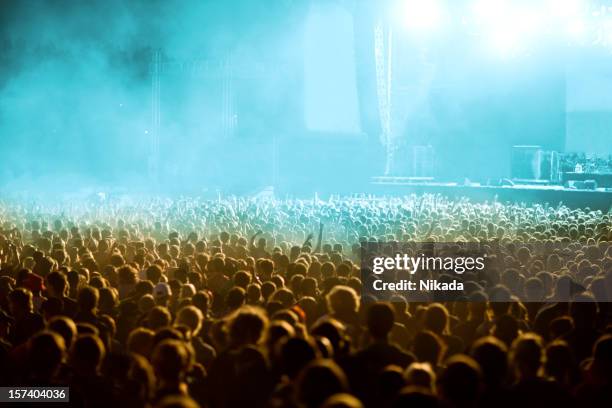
460, 382
87, 354
492, 356
318, 381
380, 319
436, 318
45, 354
87, 299
342, 300
170, 360
247, 326
295, 354
526, 355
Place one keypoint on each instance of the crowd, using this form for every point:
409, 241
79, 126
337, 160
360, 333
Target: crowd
240, 302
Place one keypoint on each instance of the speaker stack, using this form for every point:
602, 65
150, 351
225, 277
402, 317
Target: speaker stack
531, 163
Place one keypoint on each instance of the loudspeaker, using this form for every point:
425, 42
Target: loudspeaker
549, 165
423, 161
525, 162
413, 161
590, 185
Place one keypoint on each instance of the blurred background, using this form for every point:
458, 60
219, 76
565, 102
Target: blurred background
304, 96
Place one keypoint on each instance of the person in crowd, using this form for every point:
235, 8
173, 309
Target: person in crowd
26, 321
229, 303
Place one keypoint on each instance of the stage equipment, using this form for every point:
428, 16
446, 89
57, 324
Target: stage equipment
525, 162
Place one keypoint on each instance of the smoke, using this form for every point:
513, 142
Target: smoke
75, 83
73, 89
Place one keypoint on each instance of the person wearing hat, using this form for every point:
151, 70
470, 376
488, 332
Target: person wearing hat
162, 293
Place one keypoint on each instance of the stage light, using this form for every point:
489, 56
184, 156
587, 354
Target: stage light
487, 12
576, 28
422, 14
505, 43
507, 28
527, 22
565, 8
523, 29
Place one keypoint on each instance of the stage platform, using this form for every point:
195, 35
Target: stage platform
599, 199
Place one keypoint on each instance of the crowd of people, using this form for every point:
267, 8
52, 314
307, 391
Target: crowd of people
239, 302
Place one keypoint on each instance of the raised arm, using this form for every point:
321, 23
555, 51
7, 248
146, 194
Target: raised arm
253, 237
307, 240
319, 239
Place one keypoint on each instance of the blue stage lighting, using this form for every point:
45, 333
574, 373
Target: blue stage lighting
423, 14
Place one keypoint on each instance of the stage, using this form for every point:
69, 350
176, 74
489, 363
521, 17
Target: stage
599, 199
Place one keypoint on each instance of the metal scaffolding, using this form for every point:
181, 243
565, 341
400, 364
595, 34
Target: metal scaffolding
383, 53
155, 115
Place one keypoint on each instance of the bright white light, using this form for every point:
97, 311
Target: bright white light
565, 8
488, 11
422, 14
506, 43
576, 28
527, 22
508, 28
